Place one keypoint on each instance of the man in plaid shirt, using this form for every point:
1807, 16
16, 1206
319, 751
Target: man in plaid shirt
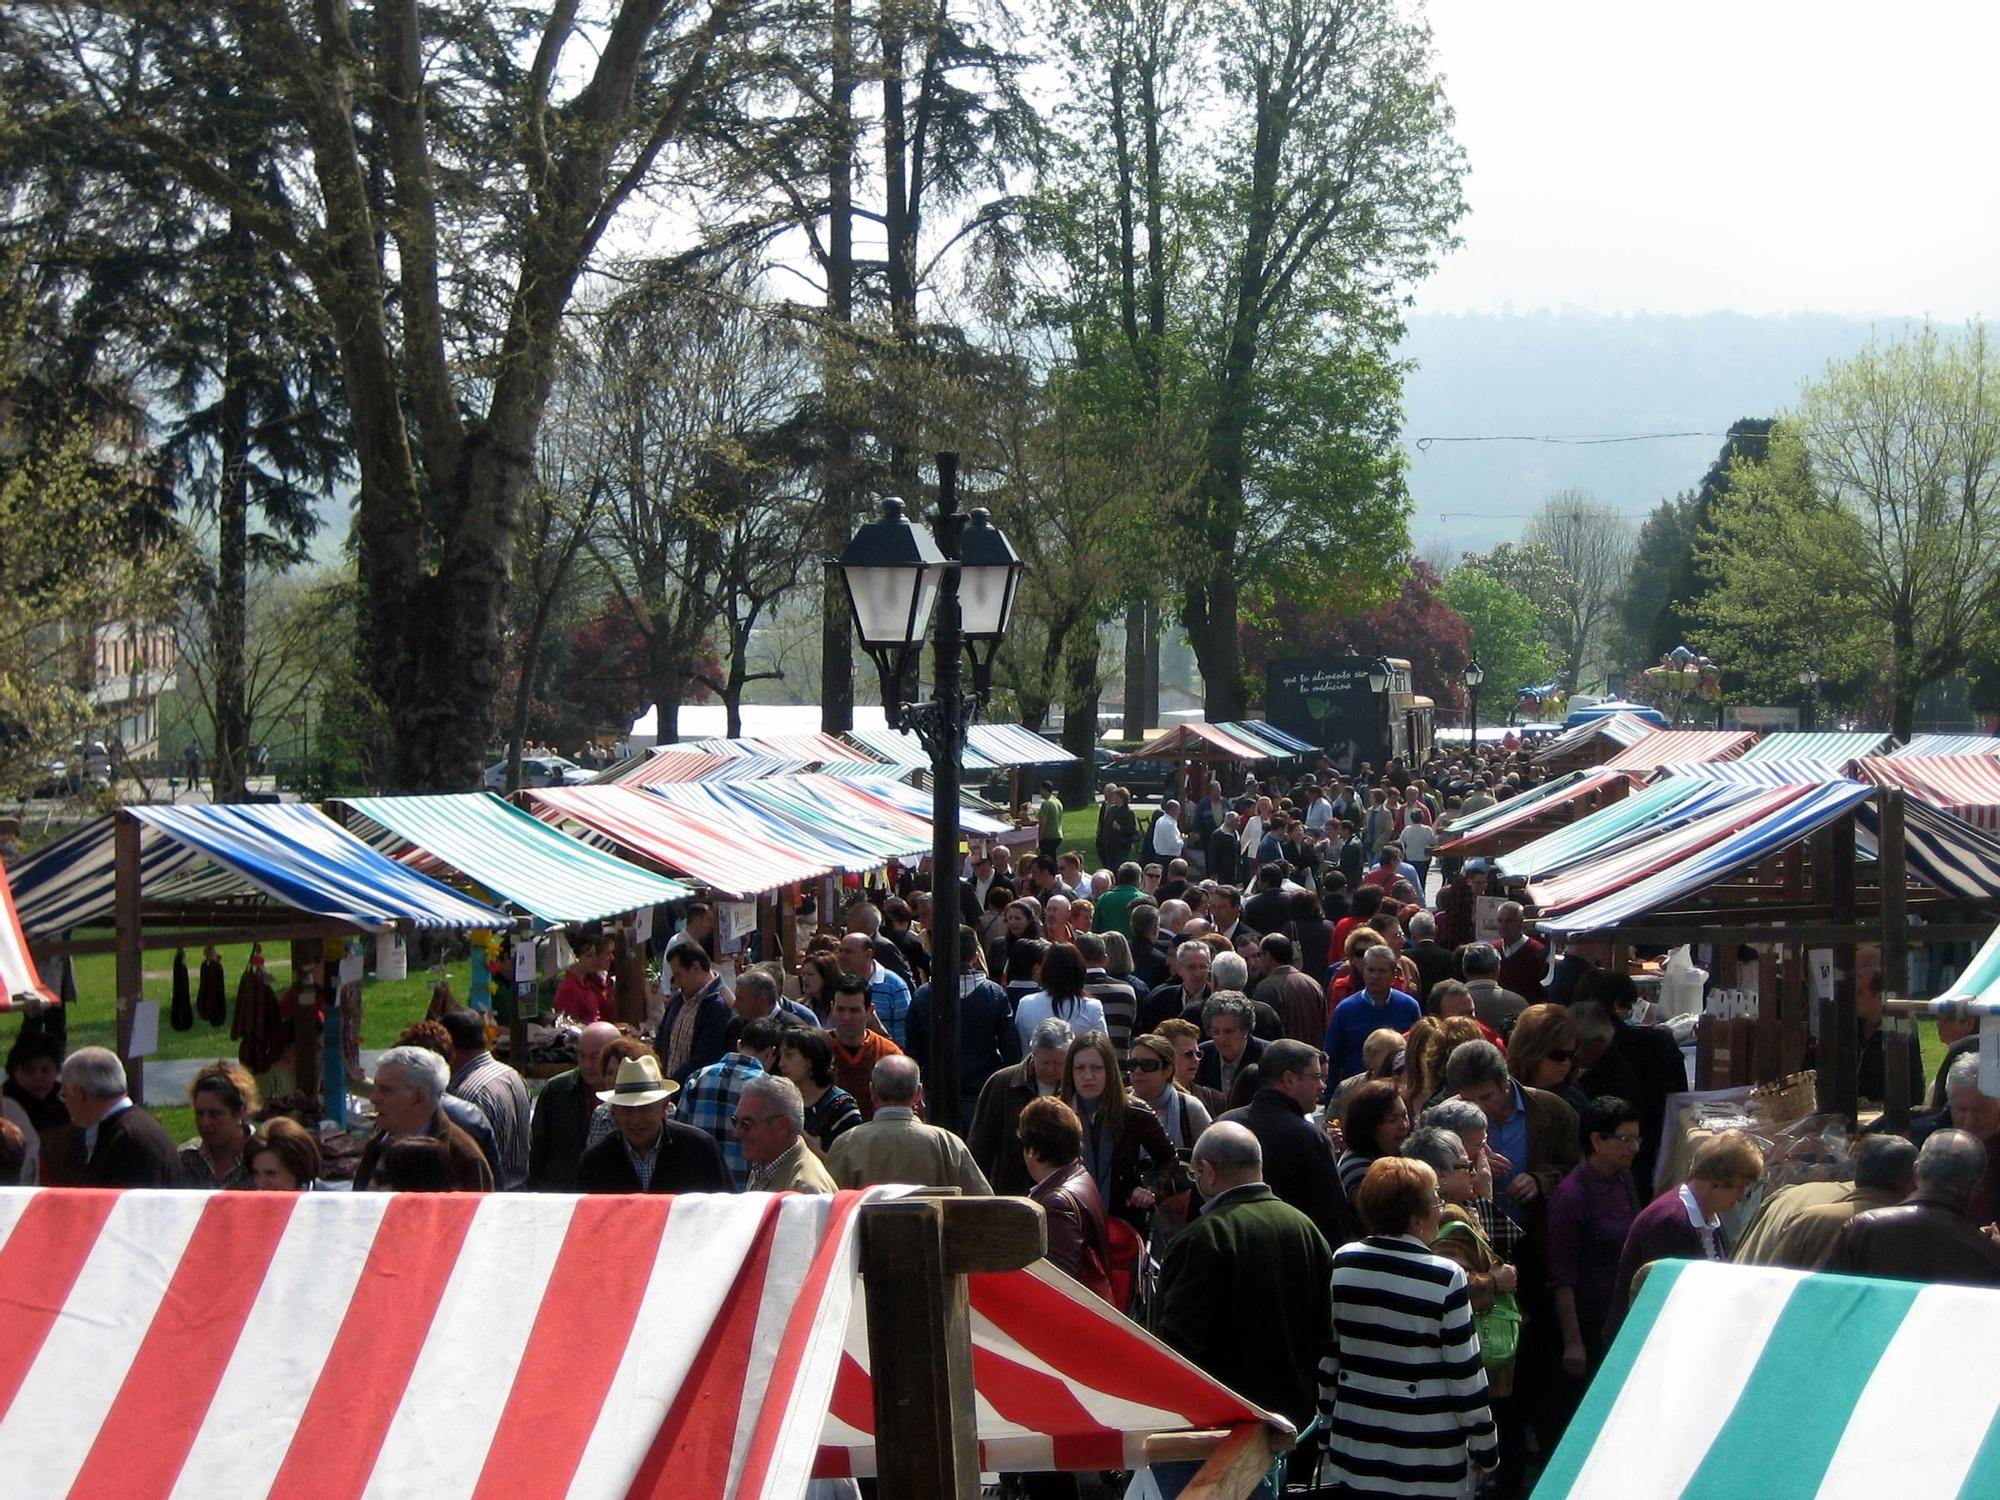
708, 1099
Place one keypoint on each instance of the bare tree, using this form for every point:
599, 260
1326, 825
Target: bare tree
1593, 542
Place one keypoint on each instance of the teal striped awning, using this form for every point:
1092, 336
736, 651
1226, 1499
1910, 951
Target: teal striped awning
1730, 1381
519, 858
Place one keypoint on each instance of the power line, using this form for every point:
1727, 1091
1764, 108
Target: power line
1423, 444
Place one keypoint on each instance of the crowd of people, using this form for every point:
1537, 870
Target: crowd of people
1373, 1170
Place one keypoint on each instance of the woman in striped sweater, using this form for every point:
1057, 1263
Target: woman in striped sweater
1404, 1393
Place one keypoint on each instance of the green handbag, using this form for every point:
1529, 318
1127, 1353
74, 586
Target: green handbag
1500, 1325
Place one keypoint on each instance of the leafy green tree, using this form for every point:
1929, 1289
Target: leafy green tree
1506, 634
1661, 554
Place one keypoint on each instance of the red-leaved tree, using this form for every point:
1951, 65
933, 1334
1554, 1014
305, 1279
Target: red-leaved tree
1417, 625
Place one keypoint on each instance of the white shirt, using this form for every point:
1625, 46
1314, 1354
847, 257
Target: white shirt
1167, 840
1085, 1014
1318, 813
1253, 833
1704, 1225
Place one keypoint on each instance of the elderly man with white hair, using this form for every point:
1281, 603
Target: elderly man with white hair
1977, 1113
770, 1124
1932, 1236
124, 1147
409, 1083
995, 1135
560, 1128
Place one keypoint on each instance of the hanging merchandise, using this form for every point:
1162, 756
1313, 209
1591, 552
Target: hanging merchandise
442, 998
259, 1023
392, 955
211, 1000
181, 1014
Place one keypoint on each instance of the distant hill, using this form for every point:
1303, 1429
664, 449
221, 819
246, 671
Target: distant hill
1580, 374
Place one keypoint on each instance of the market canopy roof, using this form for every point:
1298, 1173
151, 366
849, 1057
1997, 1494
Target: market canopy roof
74, 881
1638, 815
1836, 751
903, 752
301, 858
1014, 745
906, 798
1621, 729
819, 831
727, 857
518, 857
1468, 832
1210, 742
1921, 745
1655, 874
697, 765
1966, 786
1733, 1380
20, 980
1942, 850
1284, 745
322, 1343
1748, 772
1679, 747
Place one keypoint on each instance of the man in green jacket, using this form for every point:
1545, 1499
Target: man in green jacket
561, 1122
1114, 907
1048, 825
1246, 1290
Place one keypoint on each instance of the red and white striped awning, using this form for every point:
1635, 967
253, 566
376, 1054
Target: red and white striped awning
334, 1345
733, 858
1966, 786
1680, 747
19, 978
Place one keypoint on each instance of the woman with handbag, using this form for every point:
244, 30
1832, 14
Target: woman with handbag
1489, 1280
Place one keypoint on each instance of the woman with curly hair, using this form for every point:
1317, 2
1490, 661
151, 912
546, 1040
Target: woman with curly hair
224, 1096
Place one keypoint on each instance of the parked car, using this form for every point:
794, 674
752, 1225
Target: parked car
538, 770
87, 768
1150, 780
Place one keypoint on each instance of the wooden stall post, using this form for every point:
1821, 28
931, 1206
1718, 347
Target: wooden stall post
628, 973
915, 1254
1898, 1034
131, 965
1839, 1050
305, 1046
788, 927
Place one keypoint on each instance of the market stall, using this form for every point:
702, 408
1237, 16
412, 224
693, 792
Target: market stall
1680, 747
1540, 809
20, 980
1834, 751
1966, 786
1730, 1380
1923, 745
1592, 742
332, 1344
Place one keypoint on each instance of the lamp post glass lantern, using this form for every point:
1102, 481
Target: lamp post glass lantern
899, 579
1473, 676
1809, 680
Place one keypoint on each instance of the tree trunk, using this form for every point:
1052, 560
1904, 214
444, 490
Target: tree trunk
1903, 688
1083, 686
669, 692
227, 617
735, 680
836, 674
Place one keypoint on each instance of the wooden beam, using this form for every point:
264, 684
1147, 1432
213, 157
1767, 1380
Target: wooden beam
305, 1050
1895, 893
1839, 1055
993, 1234
1238, 1465
158, 938
130, 940
920, 1355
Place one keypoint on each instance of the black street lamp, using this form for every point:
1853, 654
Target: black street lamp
1379, 676
1809, 680
897, 576
1473, 675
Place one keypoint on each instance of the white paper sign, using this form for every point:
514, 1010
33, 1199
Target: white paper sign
642, 925
524, 961
145, 1029
1819, 964
735, 920
352, 967
392, 955
1486, 919
1989, 1056
557, 956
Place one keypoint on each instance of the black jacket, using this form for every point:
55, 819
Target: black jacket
1208, 1073
690, 1162
1269, 911
995, 1137
1298, 1164
1661, 1070
133, 1151
988, 1040
1434, 963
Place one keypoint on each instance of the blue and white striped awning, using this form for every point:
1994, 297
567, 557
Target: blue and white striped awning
301, 858
1748, 772
1949, 744
1014, 745
74, 881
1941, 850
1779, 829
1642, 815
1728, 1381
917, 802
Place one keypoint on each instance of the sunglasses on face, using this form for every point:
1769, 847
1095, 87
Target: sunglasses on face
1147, 1065
1562, 1055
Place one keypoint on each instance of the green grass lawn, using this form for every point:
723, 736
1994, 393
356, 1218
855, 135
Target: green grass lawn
389, 1007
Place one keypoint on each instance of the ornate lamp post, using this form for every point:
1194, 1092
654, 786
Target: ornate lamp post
1473, 675
897, 577
1809, 680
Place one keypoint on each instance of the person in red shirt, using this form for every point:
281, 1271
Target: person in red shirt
585, 992
857, 1047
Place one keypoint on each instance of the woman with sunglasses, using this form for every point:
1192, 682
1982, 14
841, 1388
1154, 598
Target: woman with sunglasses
1182, 1116
1590, 1214
1542, 1053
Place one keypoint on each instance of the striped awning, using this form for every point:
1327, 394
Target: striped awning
816, 749
1781, 819
1940, 850
518, 857
342, 1344
1204, 742
1680, 747
1966, 786
1468, 833
818, 834
906, 798
74, 881
299, 857
1621, 729
702, 765
20, 980
1279, 744
1644, 813
1835, 750
726, 856
1014, 745
1749, 772
1731, 1380
899, 750
1921, 745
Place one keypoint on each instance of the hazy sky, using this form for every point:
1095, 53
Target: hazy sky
1758, 157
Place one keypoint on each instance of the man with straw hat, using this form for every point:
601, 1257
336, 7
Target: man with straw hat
648, 1153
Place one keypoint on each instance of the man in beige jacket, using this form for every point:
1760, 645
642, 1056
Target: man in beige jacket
770, 1123
895, 1146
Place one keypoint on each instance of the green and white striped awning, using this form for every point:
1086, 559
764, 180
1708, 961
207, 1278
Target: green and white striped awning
1733, 1381
517, 857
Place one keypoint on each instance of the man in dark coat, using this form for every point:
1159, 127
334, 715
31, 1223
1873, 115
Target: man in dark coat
124, 1147
1270, 909
1928, 1238
1298, 1158
1246, 1247
995, 1136
561, 1123
693, 1028
648, 1153
988, 1040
